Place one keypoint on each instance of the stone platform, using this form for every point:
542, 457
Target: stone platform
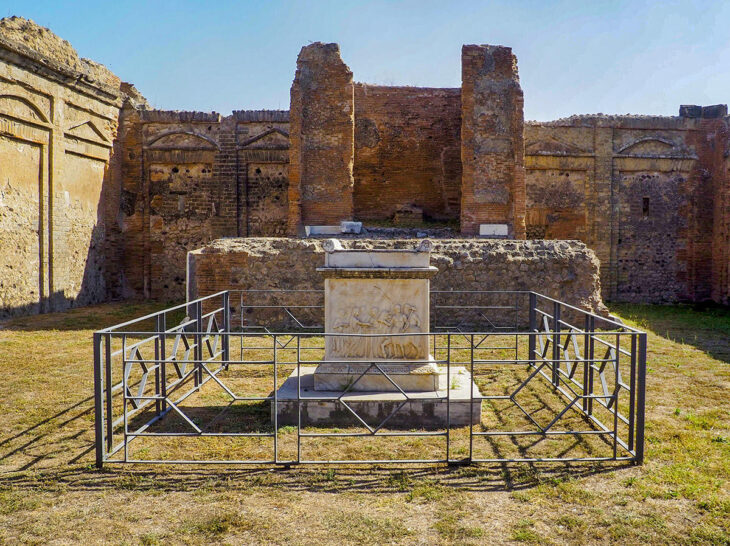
410, 377
423, 410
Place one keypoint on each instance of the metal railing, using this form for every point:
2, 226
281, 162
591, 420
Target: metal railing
522, 378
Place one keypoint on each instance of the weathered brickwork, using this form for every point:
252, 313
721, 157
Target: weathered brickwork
721, 229
492, 148
322, 139
59, 116
263, 172
102, 197
407, 151
645, 192
201, 176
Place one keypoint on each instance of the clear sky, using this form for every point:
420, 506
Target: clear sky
575, 57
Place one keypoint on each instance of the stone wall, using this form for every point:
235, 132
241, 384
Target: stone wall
492, 148
191, 177
322, 139
648, 194
102, 198
407, 151
644, 192
59, 116
566, 270
721, 228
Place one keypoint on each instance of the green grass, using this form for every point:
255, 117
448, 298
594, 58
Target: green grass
49, 489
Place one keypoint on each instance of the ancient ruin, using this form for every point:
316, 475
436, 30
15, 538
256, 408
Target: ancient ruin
102, 197
378, 356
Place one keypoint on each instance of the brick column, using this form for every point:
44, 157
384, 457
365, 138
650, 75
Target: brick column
706, 251
721, 234
322, 139
225, 172
492, 145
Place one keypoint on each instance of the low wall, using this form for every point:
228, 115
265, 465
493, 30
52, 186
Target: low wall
565, 270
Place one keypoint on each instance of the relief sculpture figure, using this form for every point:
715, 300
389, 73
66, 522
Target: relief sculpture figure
413, 326
400, 319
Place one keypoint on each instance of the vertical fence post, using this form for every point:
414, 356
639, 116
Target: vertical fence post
591, 354
98, 401
158, 406
198, 343
586, 364
632, 392
299, 398
108, 385
616, 390
124, 396
161, 328
532, 341
226, 327
448, 398
471, 398
276, 402
556, 343
640, 399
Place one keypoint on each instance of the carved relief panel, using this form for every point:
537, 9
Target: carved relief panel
397, 307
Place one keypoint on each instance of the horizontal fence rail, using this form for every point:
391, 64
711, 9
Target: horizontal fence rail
521, 377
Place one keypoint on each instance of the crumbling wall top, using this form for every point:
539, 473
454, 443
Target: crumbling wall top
497, 62
24, 36
178, 116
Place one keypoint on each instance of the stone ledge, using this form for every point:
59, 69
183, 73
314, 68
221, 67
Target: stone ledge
378, 272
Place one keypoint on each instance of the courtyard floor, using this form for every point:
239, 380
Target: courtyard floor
50, 491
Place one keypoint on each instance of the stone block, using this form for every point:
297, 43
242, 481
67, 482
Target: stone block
313, 231
427, 409
690, 111
350, 227
366, 377
493, 230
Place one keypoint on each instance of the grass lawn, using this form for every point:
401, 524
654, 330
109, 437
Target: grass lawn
50, 491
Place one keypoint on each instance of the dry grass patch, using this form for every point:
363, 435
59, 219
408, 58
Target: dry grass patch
50, 492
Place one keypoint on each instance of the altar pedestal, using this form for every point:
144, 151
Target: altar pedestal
377, 345
377, 321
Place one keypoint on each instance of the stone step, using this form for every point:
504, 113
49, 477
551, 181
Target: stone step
426, 410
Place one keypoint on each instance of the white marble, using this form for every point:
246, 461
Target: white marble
350, 227
399, 307
322, 230
381, 298
493, 230
426, 408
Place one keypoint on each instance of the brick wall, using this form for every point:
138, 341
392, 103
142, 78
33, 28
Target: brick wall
721, 231
492, 149
263, 171
407, 151
322, 139
191, 177
645, 192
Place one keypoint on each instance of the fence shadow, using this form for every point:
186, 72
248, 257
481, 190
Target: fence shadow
377, 480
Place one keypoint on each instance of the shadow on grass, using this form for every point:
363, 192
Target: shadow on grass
31, 438
374, 479
704, 326
93, 317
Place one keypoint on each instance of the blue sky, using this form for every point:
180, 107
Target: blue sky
585, 56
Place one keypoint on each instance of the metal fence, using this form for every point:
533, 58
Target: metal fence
524, 377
